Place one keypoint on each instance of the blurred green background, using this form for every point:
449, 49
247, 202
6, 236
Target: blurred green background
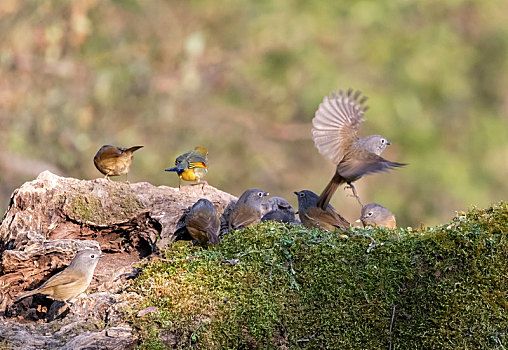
245, 77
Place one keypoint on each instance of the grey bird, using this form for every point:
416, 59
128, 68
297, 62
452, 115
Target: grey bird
202, 222
278, 209
335, 135
374, 214
313, 216
247, 210
72, 281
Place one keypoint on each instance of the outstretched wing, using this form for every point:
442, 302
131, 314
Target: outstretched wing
336, 122
362, 163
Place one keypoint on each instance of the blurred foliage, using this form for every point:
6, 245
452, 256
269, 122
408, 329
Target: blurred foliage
272, 286
245, 77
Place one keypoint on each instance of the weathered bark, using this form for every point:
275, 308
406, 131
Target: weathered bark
51, 218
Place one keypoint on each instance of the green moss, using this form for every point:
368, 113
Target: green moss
86, 207
271, 286
120, 204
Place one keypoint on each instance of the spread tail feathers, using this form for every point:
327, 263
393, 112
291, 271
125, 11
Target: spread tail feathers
329, 190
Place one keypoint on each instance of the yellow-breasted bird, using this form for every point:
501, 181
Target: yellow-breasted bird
114, 161
191, 166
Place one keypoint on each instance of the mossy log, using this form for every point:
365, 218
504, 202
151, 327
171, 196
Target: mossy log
273, 286
51, 218
268, 286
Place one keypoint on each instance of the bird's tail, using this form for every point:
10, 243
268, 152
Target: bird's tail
329, 190
27, 294
133, 148
178, 169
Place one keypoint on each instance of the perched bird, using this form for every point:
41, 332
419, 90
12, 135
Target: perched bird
72, 281
313, 216
114, 161
202, 222
374, 214
191, 166
247, 210
278, 209
335, 135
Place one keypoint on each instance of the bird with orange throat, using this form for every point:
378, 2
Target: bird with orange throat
191, 166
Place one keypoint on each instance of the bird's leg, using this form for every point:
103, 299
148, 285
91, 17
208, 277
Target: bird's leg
355, 194
127, 177
203, 183
106, 177
179, 182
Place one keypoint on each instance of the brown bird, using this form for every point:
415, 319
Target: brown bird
114, 161
374, 214
72, 281
335, 135
202, 222
247, 210
313, 216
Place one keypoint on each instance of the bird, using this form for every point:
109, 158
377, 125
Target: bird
247, 210
374, 214
313, 216
202, 222
72, 281
278, 209
335, 135
114, 161
191, 166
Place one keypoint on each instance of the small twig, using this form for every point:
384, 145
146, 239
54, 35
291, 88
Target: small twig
252, 251
499, 341
365, 294
391, 326
372, 243
147, 310
230, 261
302, 340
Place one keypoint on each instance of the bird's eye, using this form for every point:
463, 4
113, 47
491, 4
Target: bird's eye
302, 195
383, 140
92, 256
260, 194
370, 213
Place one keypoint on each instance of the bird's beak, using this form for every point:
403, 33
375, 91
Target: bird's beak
388, 143
297, 213
266, 194
296, 193
101, 256
359, 220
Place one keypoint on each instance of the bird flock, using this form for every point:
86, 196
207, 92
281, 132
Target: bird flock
335, 134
